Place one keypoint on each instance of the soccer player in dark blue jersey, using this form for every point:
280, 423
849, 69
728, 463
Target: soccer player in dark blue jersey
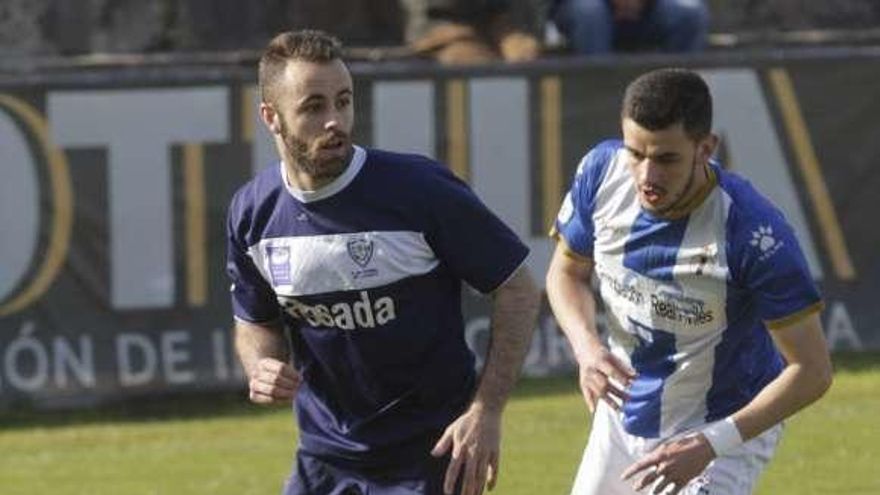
713, 317
359, 255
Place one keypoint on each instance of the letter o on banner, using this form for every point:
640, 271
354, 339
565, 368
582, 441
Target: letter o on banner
20, 215
19, 205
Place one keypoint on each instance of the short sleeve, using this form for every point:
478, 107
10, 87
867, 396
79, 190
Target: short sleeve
574, 223
467, 236
774, 270
253, 300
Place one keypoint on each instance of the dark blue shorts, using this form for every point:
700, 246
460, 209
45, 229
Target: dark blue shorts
318, 476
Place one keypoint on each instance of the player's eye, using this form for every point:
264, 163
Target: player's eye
343, 102
312, 107
635, 155
666, 159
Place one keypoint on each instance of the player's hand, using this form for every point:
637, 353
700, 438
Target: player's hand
603, 376
273, 381
672, 465
475, 440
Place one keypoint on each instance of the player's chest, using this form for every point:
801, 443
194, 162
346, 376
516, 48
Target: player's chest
317, 263
664, 276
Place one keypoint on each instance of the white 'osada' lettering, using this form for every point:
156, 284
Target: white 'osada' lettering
363, 313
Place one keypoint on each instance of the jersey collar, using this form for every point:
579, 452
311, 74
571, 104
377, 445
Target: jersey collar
354, 166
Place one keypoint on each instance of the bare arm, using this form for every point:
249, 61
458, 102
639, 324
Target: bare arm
602, 376
475, 437
805, 378
264, 356
572, 300
514, 314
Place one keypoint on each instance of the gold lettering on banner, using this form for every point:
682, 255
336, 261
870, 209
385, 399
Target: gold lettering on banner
796, 127
457, 150
62, 205
551, 148
195, 219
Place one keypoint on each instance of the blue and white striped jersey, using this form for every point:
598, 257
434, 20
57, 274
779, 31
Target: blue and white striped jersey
688, 300
366, 275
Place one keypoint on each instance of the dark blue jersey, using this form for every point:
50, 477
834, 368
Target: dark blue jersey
366, 275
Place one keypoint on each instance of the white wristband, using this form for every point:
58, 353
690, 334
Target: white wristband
723, 436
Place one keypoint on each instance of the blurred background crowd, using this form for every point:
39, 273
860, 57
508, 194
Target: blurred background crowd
462, 31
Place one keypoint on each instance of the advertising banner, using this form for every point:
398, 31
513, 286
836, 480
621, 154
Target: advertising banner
114, 189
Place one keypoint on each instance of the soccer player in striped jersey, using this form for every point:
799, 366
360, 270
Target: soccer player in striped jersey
359, 255
714, 335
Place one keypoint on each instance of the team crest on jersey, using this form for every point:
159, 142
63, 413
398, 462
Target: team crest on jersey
279, 264
360, 251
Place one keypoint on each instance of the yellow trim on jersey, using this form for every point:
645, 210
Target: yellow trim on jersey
795, 317
567, 250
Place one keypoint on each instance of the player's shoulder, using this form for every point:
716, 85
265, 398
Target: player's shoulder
596, 161
745, 200
397, 161
405, 169
603, 153
262, 189
750, 211
593, 168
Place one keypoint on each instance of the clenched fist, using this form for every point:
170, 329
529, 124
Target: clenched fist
273, 381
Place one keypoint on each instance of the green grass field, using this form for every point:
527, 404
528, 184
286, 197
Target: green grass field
221, 445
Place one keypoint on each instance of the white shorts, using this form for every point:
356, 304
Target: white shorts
610, 450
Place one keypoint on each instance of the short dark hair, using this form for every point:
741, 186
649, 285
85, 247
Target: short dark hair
665, 97
306, 45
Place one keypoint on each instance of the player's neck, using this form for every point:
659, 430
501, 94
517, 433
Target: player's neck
302, 180
299, 177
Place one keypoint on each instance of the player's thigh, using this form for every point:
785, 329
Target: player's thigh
605, 458
313, 476
422, 477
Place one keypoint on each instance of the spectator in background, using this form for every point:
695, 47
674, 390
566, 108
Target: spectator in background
594, 27
470, 31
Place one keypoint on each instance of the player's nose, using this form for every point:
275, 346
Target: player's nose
331, 124
650, 172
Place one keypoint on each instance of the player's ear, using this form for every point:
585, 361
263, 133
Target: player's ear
270, 118
706, 147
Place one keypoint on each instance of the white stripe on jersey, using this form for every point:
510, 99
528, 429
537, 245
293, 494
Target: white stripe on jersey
701, 266
699, 282
308, 265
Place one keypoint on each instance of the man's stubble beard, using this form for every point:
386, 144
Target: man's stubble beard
303, 159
